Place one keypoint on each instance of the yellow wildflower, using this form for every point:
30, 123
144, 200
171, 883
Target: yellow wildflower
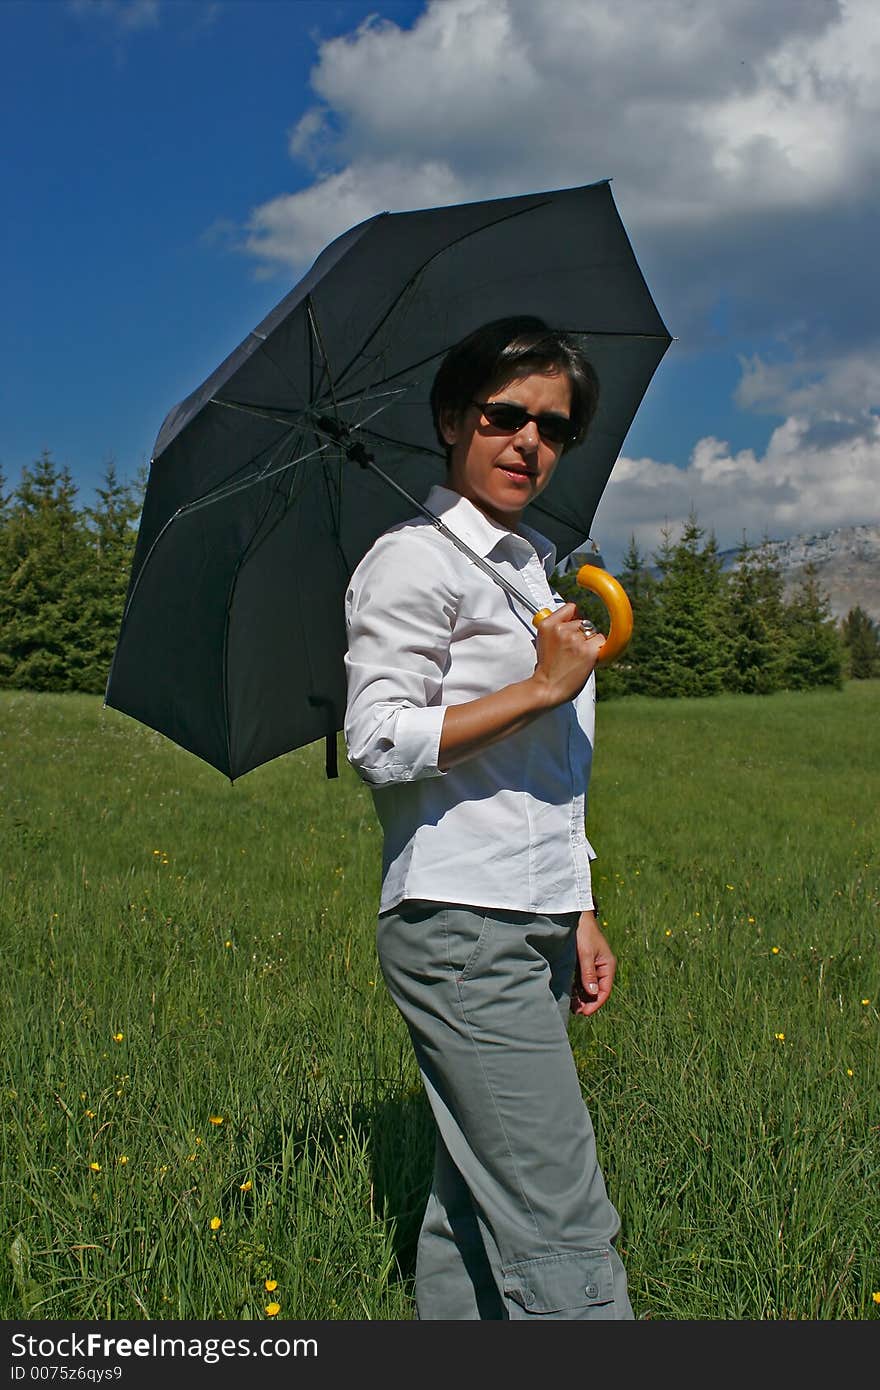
774, 950
271, 1285
216, 1223
95, 1167
780, 1037
866, 1001
117, 1037
246, 1186
272, 1309
876, 1296
215, 1119
123, 1158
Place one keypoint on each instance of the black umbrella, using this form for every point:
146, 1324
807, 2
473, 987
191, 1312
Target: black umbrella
264, 489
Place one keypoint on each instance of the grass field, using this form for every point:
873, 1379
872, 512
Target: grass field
206, 1087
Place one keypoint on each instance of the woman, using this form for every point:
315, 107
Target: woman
474, 732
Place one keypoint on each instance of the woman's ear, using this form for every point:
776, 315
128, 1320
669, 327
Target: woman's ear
449, 426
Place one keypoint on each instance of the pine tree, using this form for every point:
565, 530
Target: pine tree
657, 675
814, 654
6, 570
641, 590
756, 616
111, 535
43, 561
861, 640
689, 637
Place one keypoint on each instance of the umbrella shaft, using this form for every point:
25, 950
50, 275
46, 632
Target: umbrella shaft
368, 462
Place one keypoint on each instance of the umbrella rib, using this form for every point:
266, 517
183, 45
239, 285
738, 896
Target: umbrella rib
337, 523
316, 329
230, 596
208, 499
263, 412
196, 505
250, 481
580, 332
399, 443
367, 462
279, 416
441, 250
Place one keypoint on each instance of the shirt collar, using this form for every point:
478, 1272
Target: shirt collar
479, 531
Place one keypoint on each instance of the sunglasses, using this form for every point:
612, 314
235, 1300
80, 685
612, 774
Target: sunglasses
509, 418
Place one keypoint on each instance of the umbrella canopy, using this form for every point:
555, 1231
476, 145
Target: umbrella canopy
257, 507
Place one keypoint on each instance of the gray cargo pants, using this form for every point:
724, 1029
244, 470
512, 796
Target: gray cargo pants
518, 1222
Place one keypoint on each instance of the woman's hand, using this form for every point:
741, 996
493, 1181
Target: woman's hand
596, 965
566, 655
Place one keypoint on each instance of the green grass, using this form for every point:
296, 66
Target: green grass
176, 948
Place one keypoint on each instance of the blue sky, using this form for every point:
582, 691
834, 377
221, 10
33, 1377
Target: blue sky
173, 167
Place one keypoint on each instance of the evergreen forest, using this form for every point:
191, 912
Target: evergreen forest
697, 629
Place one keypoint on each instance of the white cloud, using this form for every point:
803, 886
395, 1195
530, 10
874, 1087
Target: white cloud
120, 20
292, 230
125, 16
700, 112
741, 138
832, 484
845, 388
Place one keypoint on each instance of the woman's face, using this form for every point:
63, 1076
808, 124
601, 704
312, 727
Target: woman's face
502, 471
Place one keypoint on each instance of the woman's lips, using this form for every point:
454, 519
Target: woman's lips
519, 475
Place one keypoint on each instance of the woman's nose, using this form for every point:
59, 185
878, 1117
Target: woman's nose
527, 437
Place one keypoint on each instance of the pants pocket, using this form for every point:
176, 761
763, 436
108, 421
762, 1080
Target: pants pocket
469, 935
578, 1285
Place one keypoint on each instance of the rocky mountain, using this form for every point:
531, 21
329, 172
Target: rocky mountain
847, 562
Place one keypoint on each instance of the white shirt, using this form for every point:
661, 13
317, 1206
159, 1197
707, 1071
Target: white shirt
426, 629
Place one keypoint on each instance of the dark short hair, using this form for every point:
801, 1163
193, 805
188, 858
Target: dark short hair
504, 349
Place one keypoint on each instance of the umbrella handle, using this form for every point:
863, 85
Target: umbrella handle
617, 603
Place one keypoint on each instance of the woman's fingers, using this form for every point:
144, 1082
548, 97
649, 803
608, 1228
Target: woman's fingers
596, 966
566, 653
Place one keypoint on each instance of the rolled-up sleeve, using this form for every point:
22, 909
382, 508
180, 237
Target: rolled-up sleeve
399, 615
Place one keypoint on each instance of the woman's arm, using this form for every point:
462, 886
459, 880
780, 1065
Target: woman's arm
395, 728
596, 966
565, 659
400, 612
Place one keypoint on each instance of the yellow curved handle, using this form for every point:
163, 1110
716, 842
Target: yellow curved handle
620, 613
615, 599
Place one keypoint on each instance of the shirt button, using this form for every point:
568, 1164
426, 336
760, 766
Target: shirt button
591, 1290
530, 1298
